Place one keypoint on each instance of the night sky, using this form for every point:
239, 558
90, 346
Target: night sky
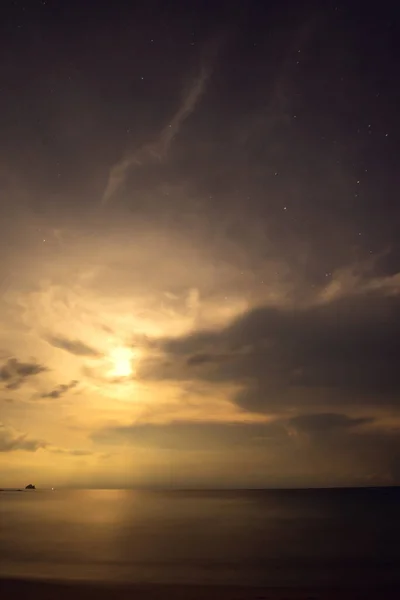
199, 215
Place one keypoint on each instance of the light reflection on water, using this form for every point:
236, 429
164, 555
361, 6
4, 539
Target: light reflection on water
263, 538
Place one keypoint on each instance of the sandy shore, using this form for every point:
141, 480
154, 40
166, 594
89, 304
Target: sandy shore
10, 588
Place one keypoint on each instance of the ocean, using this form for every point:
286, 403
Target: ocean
260, 538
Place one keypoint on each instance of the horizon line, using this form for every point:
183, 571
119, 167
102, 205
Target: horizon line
202, 489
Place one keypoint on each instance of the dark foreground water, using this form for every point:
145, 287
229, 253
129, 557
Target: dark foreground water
251, 538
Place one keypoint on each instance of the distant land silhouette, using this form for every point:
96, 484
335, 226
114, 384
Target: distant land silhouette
30, 486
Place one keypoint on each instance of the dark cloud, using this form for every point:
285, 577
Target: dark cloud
61, 390
301, 449
70, 452
188, 435
11, 440
203, 435
73, 346
14, 373
201, 359
326, 422
341, 351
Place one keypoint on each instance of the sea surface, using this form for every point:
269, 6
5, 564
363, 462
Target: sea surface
297, 537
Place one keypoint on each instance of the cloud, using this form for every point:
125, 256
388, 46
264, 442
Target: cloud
203, 435
305, 449
356, 279
345, 350
300, 450
60, 390
157, 151
73, 346
201, 359
188, 435
14, 373
70, 452
11, 439
326, 422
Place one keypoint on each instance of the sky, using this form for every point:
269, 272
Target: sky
200, 282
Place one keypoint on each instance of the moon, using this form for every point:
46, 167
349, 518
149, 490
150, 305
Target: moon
121, 359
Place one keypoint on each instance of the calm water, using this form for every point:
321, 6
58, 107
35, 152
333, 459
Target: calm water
252, 537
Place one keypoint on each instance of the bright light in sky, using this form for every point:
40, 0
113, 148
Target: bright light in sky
121, 359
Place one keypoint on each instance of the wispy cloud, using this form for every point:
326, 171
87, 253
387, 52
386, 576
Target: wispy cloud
70, 452
73, 346
60, 390
158, 149
14, 373
11, 439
